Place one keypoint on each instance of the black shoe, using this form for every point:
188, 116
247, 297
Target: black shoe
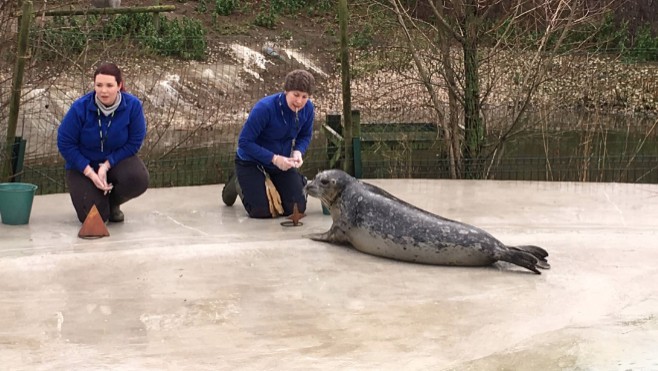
116, 215
230, 190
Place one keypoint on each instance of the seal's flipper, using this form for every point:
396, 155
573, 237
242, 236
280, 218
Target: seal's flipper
333, 235
534, 250
521, 258
537, 252
324, 237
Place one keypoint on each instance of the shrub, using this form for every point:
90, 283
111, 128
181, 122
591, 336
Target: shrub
225, 7
69, 36
266, 18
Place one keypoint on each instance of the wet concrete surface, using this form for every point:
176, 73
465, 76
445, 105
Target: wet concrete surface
189, 284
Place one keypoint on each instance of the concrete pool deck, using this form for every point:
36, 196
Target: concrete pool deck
188, 283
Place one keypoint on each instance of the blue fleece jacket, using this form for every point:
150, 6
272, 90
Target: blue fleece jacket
79, 134
271, 129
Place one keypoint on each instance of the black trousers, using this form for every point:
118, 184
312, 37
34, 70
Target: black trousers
289, 184
129, 177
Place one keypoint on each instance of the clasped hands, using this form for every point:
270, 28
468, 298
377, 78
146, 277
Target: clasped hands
99, 178
285, 163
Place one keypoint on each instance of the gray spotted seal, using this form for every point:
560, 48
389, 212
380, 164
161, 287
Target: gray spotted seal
375, 222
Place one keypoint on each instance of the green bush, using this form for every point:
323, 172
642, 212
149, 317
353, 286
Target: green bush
63, 37
645, 46
201, 6
323, 6
611, 37
287, 6
270, 11
363, 38
266, 18
68, 36
225, 7
608, 36
184, 39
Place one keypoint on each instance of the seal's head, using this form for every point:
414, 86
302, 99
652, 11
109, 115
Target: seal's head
328, 185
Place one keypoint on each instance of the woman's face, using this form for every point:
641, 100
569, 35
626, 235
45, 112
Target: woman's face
296, 99
106, 88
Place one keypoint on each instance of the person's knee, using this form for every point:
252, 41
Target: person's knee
141, 185
139, 181
259, 213
144, 180
130, 185
133, 173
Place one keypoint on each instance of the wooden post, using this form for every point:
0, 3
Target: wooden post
18, 158
333, 121
356, 146
156, 18
106, 11
347, 95
17, 83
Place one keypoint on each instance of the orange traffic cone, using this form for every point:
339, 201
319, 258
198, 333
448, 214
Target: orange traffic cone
93, 226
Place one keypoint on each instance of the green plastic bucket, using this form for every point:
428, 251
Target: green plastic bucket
16, 202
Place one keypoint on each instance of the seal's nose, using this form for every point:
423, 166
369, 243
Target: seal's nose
309, 188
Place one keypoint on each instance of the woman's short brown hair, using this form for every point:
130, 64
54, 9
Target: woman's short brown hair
300, 80
110, 69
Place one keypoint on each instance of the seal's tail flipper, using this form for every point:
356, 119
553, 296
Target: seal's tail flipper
537, 252
521, 258
534, 250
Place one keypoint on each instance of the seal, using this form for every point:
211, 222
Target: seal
375, 222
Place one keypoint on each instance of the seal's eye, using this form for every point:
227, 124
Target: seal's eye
324, 181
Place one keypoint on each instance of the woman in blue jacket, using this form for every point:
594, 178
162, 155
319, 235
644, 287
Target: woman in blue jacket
271, 144
99, 138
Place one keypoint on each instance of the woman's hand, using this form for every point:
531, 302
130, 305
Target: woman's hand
297, 158
98, 182
102, 171
283, 163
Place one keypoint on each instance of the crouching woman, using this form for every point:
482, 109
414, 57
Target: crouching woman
99, 138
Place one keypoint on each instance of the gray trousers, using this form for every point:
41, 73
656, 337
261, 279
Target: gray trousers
129, 177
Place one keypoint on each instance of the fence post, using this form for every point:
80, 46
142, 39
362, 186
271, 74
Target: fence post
17, 82
156, 17
108, 11
333, 121
347, 95
18, 158
356, 147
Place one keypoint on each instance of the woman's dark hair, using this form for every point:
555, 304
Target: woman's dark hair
112, 70
300, 80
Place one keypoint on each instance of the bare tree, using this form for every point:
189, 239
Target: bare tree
459, 46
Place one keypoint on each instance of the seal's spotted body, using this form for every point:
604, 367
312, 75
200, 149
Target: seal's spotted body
376, 222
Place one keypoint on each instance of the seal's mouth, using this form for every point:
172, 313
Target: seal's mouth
311, 190
324, 195
325, 188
